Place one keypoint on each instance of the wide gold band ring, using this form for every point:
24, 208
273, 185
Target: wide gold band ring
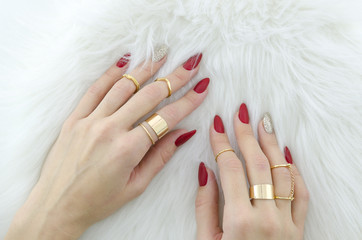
158, 124
133, 80
168, 85
222, 151
292, 178
262, 191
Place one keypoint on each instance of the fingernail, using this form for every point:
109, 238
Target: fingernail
193, 62
202, 175
160, 53
123, 61
218, 125
267, 123
184, 138
243, 114
288, 156
202, 85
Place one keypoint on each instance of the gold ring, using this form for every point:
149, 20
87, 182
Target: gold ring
222, 151
168, 85
133, 80
158, 124
262, 191
148, 133
291, 195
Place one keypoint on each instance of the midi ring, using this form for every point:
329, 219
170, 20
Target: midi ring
168, 85
262, 191
129, 77
291, 195
222, 151
158, 125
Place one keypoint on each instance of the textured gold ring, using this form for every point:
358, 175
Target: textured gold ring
222, 151
158, 124
291, 195
168, 85
262, 192
148, 133
129, 77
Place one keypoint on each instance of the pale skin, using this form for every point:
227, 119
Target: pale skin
102, 159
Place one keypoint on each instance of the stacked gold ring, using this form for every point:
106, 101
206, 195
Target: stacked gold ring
222, 151
291, 195
129, 77
158, 125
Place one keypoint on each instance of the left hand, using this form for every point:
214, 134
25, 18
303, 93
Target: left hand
100, 160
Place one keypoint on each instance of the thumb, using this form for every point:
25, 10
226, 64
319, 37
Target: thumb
206, 205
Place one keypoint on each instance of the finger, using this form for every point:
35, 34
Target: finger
175, 112
157, 157
151, 95
206, 206
232, 176
257, 164
98, 90
281, 176
123, 89
301, 195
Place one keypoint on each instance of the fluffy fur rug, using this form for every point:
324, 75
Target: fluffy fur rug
299, 60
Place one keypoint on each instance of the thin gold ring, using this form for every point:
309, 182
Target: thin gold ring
133, 80
222, 151
168, 85
148, 133
291, 195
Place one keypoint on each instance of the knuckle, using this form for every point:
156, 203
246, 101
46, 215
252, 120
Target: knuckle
165, 155
148, 68
270, 226
232, 164
172, 113
112, 73
96, 91
153, 92
243, 223
260, 162
124, 87
68, 125
179, 76
192, 99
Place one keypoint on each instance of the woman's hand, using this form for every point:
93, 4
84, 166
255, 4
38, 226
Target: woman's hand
101, 159
259, 218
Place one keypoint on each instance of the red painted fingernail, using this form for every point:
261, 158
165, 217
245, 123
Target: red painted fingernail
184, 138
123, 61
202, 85
243, 114
218, 125
202, 175
288, 156
193, 62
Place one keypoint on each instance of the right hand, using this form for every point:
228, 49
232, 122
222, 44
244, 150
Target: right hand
244, 219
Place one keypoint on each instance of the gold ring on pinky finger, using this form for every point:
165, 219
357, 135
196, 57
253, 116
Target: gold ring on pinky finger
168, 85
262, 192
291, 195
222, 151
129, 77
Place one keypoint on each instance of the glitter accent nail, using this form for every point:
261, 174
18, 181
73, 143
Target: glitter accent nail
267, 123
159, 53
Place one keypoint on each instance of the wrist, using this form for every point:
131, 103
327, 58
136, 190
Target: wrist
43, 225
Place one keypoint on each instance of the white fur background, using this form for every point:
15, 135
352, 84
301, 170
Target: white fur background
299, 60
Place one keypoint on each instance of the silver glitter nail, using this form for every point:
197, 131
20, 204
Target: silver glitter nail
267, 123
159, 53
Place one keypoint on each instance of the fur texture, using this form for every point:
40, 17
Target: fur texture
299, 60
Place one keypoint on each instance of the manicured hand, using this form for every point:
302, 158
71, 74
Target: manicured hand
102, 159
259, 218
